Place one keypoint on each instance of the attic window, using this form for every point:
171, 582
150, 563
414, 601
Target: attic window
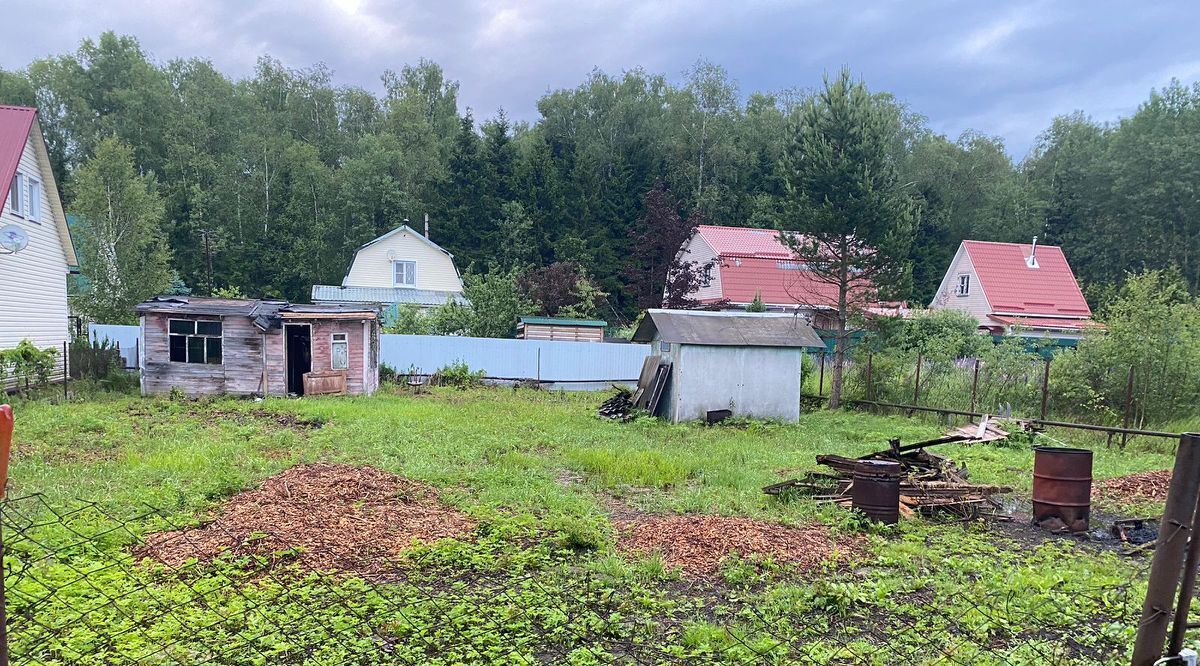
404, 273
16, 194
964, 285
33, 204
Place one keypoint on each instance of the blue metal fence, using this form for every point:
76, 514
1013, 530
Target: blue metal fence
567, 365
127, 338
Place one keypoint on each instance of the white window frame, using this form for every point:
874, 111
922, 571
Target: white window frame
963, 288
33, 200
408, 285
335, 340
17, 194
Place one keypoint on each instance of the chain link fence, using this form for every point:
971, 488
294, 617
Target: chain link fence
88, 586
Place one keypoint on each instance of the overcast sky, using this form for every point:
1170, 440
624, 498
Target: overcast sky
1002, 68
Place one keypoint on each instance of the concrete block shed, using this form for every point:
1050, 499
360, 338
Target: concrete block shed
748, 363
214, 346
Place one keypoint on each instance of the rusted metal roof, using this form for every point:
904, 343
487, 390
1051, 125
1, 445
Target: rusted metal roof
15, 123
744, 329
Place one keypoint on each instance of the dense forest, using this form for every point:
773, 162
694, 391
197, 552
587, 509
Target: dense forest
267, 184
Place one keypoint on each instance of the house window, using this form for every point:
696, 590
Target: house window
16, 194
193, 341
340, 352
664, 346
964, 285
33, 204
404, 273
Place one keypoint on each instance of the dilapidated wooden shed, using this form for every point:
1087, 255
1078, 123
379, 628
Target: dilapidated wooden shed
214, 346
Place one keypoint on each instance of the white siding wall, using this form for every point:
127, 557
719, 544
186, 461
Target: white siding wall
975, 302
698, 250
372, 268
33, 282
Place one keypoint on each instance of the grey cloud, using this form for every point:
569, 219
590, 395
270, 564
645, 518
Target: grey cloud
1000, 68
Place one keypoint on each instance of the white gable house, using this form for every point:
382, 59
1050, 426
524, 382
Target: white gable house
36, 252
401, 267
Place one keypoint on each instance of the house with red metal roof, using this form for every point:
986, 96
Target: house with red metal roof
36, 252
1022, 289
755, 262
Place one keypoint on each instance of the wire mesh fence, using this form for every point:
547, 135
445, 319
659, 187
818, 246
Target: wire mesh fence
86, 585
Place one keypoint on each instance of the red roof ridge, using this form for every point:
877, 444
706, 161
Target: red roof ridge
15, 107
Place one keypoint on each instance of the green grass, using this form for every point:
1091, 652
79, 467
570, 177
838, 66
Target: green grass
542, 578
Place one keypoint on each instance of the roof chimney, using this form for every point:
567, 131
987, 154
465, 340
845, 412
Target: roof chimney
1032, 260
427, 225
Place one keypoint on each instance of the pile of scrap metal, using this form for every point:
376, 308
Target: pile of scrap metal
651, 383
930, 483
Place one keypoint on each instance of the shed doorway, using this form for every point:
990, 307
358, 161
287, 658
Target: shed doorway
298, 339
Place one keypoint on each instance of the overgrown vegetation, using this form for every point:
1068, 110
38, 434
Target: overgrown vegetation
28, 367
1151, 325
541, 577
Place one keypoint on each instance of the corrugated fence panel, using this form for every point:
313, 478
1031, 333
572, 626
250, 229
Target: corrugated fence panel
570, 365
127, 337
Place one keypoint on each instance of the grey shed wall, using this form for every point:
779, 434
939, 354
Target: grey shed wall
761, 382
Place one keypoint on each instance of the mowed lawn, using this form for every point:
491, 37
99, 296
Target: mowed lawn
544, 577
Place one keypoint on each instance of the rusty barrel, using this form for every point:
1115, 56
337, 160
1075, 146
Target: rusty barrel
1062, 488
876, 490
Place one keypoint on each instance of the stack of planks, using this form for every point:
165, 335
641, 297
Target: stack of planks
930, 483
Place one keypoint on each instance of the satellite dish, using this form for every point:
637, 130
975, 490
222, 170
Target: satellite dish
13, 238
391, 255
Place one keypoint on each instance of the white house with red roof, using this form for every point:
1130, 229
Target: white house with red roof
33, 278
749, 262
1022, 289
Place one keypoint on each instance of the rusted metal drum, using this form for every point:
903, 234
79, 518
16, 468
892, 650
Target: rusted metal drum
876, 490
1062, 488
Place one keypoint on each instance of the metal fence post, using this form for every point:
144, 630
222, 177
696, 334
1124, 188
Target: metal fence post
975, 387
870, 378
1128, 405
917, 382
6, 429
1169, 552
821, 377
66, 371
1045, 388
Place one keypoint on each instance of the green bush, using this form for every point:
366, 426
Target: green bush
29, 366
458, 375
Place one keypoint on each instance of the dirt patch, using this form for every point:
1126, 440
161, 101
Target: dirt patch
698, 543
1140, 487
339, 517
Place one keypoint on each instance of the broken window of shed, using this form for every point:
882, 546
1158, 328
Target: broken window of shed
191, 341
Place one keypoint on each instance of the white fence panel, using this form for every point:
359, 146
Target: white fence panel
568, 365
128, 338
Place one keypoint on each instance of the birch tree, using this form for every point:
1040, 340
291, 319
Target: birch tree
123, 252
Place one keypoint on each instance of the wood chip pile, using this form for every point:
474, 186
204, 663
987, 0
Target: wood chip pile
698, 544
340, 517
1142, 487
